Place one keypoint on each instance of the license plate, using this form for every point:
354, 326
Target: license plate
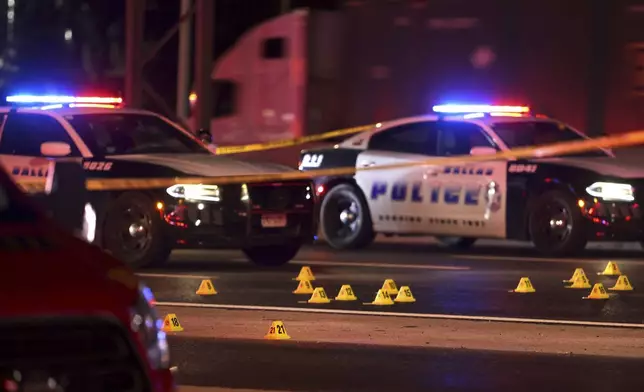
274, 220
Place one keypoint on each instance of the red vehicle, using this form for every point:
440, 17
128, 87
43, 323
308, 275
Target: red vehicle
72, 318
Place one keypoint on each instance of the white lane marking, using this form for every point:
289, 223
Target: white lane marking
376, 265
155, 275
410, 315
542, 259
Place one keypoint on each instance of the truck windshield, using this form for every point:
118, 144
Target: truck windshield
123, 134
534, 133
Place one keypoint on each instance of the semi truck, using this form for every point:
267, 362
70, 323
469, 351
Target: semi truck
307, 72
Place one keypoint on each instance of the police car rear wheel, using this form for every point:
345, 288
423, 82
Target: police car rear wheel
133, 231
345, 219
272, 255
457, 242
556, 225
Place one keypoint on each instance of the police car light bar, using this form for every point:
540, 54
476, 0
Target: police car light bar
460, 109
62, 99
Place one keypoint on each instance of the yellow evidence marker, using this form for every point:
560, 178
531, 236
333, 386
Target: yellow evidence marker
304, 287
622, 284
171, 323
390, 287
305, 274
405, 295
524, 286
382, 299
611, 269
206, 288
598, 292
277, 331
346, 294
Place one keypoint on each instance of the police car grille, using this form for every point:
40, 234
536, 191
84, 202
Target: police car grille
78, 354
276, 197
14, 243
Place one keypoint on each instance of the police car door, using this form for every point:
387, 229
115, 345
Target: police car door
21, 139
473, 195
395, 196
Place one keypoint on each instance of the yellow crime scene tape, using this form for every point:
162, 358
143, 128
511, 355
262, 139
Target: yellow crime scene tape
227, 150
562, 148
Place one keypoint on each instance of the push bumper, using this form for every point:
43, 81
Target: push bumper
618, 221
272, 215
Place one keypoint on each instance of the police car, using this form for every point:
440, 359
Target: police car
269, 221
557, 203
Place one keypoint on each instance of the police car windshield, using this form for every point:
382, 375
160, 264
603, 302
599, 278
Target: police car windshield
124, 133
533, 133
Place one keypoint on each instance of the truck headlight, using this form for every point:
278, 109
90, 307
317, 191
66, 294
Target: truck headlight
611, 191
198, 192
244, 193
147, 325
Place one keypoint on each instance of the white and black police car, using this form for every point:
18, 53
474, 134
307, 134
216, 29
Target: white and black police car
269, 221
558, 203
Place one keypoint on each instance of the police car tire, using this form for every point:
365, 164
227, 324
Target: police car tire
576, 241
457, 242
272, 255
365, 234
158, 250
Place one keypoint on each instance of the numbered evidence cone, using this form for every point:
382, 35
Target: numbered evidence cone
578, 271
390, 287
319, 297
405, 295
524, 286
206, 288
171, 323
304, 287
580, 282
622, 284
611, 269
305, 274
277, 331
382, 298
598, 292
346, 294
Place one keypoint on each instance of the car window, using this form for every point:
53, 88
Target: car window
458, 138
414, 138
122, 134
24, 133
534, 133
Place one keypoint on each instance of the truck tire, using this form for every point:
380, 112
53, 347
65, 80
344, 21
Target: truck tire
460, 243
272, 255
132, 231
555, 224
345, 219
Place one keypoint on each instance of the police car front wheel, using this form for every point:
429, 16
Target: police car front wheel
345, 219
556, 224
132, 231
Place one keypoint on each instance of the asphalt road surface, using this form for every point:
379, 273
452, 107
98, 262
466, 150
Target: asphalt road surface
355, 352
473, 283
287, 366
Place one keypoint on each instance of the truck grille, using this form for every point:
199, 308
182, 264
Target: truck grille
281, 196
77, 355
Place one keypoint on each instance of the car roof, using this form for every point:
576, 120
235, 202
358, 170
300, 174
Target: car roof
356, 140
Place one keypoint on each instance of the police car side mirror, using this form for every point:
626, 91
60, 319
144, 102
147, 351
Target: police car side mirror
55, 149
204, 136
482, 151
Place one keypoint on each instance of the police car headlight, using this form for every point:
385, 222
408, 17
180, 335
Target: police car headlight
89, 223
198, 192
148, 327
611, 191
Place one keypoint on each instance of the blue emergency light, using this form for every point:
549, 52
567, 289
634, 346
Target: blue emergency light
463, 109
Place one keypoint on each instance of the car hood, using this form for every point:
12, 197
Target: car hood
206, 165
607, 166
44, 271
